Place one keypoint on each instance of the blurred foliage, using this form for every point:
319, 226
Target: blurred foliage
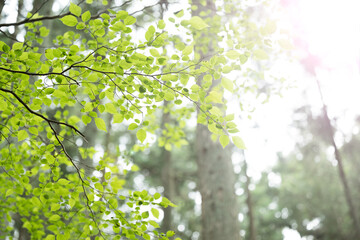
309, 198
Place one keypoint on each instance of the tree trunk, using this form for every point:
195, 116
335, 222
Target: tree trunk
167, 176
216, 183
43, 7
249, 203
216, 177
167, 171
342, 175
2, 4
18, 18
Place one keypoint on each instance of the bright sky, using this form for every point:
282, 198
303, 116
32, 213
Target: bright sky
331, 29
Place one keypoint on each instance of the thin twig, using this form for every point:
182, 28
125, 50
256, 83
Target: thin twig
40, 115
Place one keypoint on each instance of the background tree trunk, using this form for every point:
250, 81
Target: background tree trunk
249, 203
2, 4
216, 183
340, 165
216, 175
167, 175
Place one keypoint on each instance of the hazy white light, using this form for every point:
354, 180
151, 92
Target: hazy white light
290, 234
313, 224
274, 179
181, 227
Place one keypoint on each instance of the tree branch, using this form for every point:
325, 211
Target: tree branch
42, 116
30, 20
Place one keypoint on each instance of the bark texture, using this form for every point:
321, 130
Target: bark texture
249, 203
167, 176
2, 4
216, 177
216, 184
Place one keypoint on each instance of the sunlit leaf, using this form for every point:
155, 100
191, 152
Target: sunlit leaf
100, 124
197, 23
75, 9
155, 213
224, 140
22, 135
238, 142
260, 54
69, 20
227, 84
232, 54
141, 135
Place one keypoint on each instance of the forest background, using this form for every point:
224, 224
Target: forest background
116, 143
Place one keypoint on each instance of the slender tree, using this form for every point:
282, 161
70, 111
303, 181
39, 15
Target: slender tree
216, 176
340, 164
249, 202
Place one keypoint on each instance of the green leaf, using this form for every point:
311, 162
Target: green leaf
54, 218
215, 97
69, 20
9, 192
230, 117
135, 168
122, 14
50, 237
155, 212
179, 14
86, 16
75, 9
141, 135
161, 24
269, 28
154, 53
99, 186
55, 207
224, 140
100, 124
132, 126
33, 130
86, 119
110, 108
227, 84
145, 214
150, 33
5, 48
238, 142
154, 224
63, 181
17, 45
232, 54
118, 118
243, 58
142, 89
72, 202
169, 96
49, 90
88, 107
188, 50
285, 44
107, 175
170, 233
197, 23
157, 195
22, 135
260, 54
129, 20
